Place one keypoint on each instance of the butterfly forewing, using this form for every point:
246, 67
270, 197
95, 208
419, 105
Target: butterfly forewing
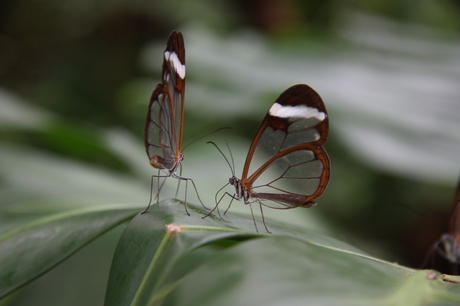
164, 125
293, 167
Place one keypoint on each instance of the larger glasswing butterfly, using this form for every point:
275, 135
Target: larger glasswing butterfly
448, 246
295, 167
165, 118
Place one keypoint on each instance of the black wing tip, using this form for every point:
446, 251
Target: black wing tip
301, 94
175, 35
299, 89
176, 44
175, 41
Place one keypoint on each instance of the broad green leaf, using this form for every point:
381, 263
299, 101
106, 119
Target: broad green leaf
286, 271
165, 256
30, 250
147, 251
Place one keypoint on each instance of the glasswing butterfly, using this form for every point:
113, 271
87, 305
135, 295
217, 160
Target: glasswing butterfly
165, 118
444, 255
292, 167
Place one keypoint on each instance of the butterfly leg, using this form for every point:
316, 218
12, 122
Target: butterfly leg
218, 202
186, 179
198, 195
230, 204
178, 184
157, 197
150, 201
249, 202
263, 218
216, 207
185, 199
253, 218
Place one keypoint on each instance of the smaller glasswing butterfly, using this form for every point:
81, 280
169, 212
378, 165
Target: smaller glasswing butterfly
165, 118
444, 255
292, 168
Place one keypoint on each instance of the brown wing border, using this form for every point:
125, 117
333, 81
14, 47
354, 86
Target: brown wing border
170, 105
300, 94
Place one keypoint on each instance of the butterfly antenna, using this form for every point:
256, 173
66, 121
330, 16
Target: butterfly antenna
206, 135
226, 159
231, 156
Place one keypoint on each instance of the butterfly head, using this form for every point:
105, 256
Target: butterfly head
240, 190
233, 181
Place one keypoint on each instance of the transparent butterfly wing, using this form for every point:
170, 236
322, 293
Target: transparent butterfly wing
164, 124
287, 166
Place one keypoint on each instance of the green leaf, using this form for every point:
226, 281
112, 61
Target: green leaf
286, 271
167, 257
30, 250
147, 251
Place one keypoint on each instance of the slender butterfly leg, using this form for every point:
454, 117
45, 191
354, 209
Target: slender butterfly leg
231, 201
180, 178
150, 201
263, 218
249, 203
253, 218
185, 199
178, 184
216, 207
157, 197
160, 186
186, 179
198, 195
